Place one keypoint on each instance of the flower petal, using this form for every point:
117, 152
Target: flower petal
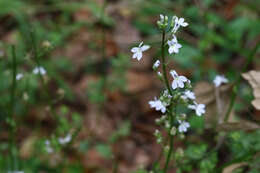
174, 84
134, 49
183, 78
145, 47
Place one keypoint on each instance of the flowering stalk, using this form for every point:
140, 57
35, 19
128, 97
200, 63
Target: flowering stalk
177, 94
41, 71
170, 92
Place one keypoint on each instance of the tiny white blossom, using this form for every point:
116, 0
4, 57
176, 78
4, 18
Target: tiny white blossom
188, 95
174, 46
157, 132
163, 20
219, 79
156, 64
177, 23
39, 70
138, 51
158, 105
19, 76
178, 81
183, 126
199, 108
48, 148
167, 124
65, 140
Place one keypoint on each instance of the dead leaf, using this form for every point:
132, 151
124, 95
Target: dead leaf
206, 94
138, 81
28, 146
231, 168
253, 77
234, 126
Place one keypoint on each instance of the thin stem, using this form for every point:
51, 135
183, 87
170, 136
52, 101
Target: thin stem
37, 60
171, 145
164, 64
170, 92
11, 112
235, 87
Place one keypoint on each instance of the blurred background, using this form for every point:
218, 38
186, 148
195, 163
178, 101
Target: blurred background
97, 96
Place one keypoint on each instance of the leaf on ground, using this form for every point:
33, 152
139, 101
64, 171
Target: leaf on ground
253, 77
206, 94
241, 125
138, 81
231, 168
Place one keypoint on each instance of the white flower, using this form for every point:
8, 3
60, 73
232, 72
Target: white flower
174, 46
177, 23
199, 108
163, 21
183, 126
19, 76
178, 81
65, 140
219, 79
156, 64
159, 74
138, 51
39, 70
48, 148
158, 105
188, 95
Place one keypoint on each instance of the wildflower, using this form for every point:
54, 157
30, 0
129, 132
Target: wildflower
173, 131
65, 140
188, 95
178, 81
158, 105
48, 148
174, 46
199, 108
156, 64
177, 23
138, 51
219, 79
162, 23
19, 76
39, 70
183, 126
167, 124
157, 132
166, 94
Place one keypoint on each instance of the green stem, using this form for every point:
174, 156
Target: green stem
164, 64
38, 63
170, 92
235, 87
11, 112
171, 145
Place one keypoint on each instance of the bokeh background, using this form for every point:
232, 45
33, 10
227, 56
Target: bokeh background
95, 91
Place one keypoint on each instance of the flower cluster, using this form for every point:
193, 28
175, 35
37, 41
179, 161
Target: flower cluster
37, 70
178, 93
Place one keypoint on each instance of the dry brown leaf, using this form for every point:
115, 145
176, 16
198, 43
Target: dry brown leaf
253, 77
138, 81
231, 168
206, 94
27, 146
234, 126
